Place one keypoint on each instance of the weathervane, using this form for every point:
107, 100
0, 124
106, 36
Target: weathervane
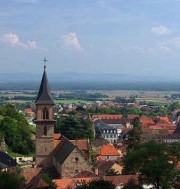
45, 60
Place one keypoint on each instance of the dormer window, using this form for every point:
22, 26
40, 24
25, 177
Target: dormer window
45, 113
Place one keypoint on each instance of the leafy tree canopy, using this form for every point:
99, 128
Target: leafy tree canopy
134, 138
151, 161
10, 180
15, 130
74, 128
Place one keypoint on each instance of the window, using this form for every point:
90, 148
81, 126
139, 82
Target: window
76, 159
45, 113
45, 131
107, 136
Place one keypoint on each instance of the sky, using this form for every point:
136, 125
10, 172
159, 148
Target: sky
133, 37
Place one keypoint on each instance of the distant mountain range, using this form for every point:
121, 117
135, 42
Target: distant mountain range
83, 77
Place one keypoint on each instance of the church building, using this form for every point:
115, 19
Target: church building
67, 157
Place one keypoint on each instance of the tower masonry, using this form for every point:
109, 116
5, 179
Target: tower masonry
44, 124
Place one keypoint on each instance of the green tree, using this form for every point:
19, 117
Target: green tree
74, 128
130, 110
152, 164
111, 172
173, 150
46, 178
132, 185
15, 130
10, 180
134, 138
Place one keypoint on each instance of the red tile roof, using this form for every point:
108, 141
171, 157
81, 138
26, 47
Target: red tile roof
29, 111
81, 144
165, 119
146, 121
109, 150
106, 116
37, 182
71, 183
132, 116
57, 139
29, 173
62, 183
122, 179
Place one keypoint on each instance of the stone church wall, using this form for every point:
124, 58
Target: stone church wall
74, 164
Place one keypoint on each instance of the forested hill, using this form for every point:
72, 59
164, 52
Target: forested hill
83, 85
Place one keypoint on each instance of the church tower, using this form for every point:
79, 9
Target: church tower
44, 124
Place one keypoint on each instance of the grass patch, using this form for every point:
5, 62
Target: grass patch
71, 101
14, 154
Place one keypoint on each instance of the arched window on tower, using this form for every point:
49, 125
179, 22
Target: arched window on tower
45, 113
45, 131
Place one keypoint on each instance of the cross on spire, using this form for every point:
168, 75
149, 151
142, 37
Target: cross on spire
45, 60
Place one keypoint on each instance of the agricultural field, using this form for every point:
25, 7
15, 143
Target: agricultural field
73, 96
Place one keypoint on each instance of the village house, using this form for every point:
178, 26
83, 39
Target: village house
106, 132
7, 163
104, 167
108, 152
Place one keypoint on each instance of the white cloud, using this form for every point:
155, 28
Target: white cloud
160, 30
173, 42
71, 41
165, 49
14, 41
156, 49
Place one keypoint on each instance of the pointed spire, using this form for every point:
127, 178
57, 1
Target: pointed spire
44, 95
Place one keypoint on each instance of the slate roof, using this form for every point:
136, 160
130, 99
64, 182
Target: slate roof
100, 126
6, 160
44, 95
63, 150
99, 142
